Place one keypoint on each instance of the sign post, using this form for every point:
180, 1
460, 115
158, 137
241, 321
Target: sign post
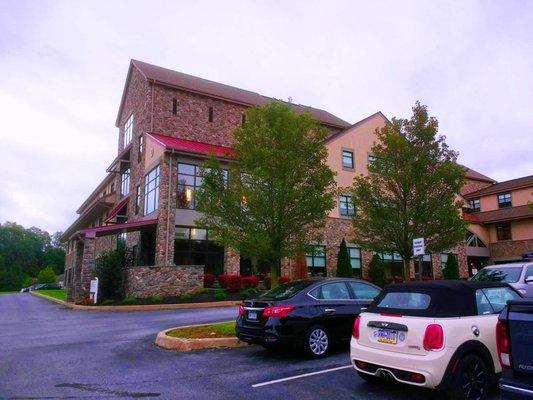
94, 289
419, 249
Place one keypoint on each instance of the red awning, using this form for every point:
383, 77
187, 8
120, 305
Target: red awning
191, 146
114, 211
117, 228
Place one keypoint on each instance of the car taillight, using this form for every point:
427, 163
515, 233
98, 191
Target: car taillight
356, 324
241, 311
434, 337
278, 311
502, 344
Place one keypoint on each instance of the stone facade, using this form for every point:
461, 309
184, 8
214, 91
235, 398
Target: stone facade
142, 282
511, 249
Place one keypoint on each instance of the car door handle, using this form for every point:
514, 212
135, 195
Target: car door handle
329, 310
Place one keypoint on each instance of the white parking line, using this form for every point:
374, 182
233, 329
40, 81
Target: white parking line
290, 378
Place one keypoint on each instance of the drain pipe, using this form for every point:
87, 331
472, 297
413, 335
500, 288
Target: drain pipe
168, 206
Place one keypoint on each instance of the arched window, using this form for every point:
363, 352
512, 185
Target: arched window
473, 240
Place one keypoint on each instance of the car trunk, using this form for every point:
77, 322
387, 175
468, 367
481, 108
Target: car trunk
393, 332
253, 313
521, 337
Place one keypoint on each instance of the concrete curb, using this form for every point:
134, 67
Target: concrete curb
180, 344
140, 307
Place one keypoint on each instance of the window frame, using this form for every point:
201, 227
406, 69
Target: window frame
505, 200
125, 182
501, 228
344, 205
128, 130
311, 268
197, 179
348, 153
360, 258
475, 205
152, 193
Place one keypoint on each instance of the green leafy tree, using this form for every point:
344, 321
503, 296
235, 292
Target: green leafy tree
344, 267
376, 271
279, 190
47, 275
110, 272
411, 190
451, 271
55, 257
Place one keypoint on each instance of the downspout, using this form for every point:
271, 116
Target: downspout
168, 207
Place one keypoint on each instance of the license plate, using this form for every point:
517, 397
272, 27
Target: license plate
386, 336
252, 315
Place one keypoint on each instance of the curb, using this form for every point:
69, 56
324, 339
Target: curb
180, 344
141, 307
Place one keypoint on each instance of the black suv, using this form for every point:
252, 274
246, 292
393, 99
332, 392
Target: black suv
309, 313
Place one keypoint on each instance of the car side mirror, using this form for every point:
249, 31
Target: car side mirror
529, 279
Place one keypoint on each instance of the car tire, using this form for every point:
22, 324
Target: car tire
372, 379
317, 342
471, 381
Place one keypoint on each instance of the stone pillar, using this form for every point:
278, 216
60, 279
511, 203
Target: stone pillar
165, 231
462, 260
366, 257
436, 265
86, 270
232, 261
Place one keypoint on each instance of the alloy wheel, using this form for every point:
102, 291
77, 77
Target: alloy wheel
473, 381
318, 341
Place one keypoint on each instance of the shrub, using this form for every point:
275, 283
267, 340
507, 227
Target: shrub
246, 293
209, 280
27, 281
129, 300
376, 271
231, 282
185, 297
107, 302
157, 299
85, 301
344, 267
250, 282
220, 294
47, 275
284, 279
109, 270
451, 271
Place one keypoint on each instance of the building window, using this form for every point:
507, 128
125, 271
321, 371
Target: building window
346, 206
125, 183
210, 114
395, 263
190, 179
355, 259
137, 199
503, 231
128, 130
121, 239
141, 149
427, 266
347, 159
243, 119
475, 205
174, 106
151, 191
504, 200
370, 160
473, 241
195, 246
316, 260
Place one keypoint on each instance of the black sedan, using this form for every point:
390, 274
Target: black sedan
309, 313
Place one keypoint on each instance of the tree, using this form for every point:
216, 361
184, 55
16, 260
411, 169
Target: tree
110, 272
55, 257
376, 271
344, 267
451, 271
279, 189
47, 275
411, 190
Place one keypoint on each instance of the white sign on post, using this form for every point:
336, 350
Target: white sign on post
419, 247
94, 289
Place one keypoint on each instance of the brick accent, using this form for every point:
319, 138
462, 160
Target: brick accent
510, 249
144, 282
231, 261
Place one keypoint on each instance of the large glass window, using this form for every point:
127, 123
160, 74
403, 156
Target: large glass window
316, 260
151, 191
503, 231
128, 130
475, 205
195, 246
125, 182
504, 200
347, 159
427, 266
346, 207
395, 263
355, 259
190, 179
473, 241
363, 290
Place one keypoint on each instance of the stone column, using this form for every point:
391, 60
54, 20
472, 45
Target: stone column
82, 285
164, 241
76, 272
232, 262
436, 265
366, 257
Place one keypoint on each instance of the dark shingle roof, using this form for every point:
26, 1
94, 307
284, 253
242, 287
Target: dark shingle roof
502, 214
503, 187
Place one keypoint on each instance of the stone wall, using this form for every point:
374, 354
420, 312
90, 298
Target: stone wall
510, 249
144, 282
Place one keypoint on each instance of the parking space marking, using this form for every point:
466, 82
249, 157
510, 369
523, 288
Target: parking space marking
290, 378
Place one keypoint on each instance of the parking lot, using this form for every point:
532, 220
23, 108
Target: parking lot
48, 352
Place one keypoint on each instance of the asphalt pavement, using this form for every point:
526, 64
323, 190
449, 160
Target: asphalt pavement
50, 352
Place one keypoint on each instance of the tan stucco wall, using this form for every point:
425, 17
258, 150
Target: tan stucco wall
482, 232
520, 230
519, 197
153, 153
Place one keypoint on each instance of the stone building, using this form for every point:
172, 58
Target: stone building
168, 123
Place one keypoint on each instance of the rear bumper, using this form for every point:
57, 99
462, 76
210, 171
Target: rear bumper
266, 335
432, 365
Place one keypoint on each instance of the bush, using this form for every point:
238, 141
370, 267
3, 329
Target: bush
108, 302
47, 275
109, 270
209, 280
231, 282
376, 271
344, 267
157, 299
85, 301
27, 281
220, 294
185, 297
284, 279
246, 293
451, 271
250, 282
129, 300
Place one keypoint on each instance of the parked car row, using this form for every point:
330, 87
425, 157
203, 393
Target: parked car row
41, 286
441, 335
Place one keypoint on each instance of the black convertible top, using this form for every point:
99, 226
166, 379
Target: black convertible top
449, 298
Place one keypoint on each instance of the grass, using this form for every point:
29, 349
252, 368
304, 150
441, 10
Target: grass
220, 330
60, 294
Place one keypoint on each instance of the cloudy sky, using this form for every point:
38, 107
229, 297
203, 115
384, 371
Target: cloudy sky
63, 66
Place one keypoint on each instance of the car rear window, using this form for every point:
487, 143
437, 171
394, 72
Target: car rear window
405, 301
286, 291
493, 300
508, 275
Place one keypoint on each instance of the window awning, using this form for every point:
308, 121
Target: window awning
117, 228
191, 146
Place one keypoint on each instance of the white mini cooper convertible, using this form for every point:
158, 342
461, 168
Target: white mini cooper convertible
435, 334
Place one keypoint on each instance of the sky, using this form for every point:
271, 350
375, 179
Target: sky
63, 65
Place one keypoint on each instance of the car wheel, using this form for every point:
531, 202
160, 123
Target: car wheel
317, 342
471, 380
372, 379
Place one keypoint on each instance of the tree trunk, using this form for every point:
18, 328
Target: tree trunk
274, 275
406, 272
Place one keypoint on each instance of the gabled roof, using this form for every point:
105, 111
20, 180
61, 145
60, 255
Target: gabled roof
191, 146
513, 184
348, 128
471, 174
217, 90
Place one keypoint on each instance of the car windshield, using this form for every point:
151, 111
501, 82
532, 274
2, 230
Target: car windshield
507, 275
405, 301
285, 291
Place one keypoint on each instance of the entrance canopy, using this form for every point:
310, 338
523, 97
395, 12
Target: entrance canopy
117, 228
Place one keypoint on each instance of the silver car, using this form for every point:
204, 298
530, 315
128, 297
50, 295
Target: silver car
518, 274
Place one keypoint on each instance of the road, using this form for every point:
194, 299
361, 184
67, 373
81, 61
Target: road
50, 352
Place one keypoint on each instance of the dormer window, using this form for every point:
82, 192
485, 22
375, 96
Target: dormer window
128, 130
